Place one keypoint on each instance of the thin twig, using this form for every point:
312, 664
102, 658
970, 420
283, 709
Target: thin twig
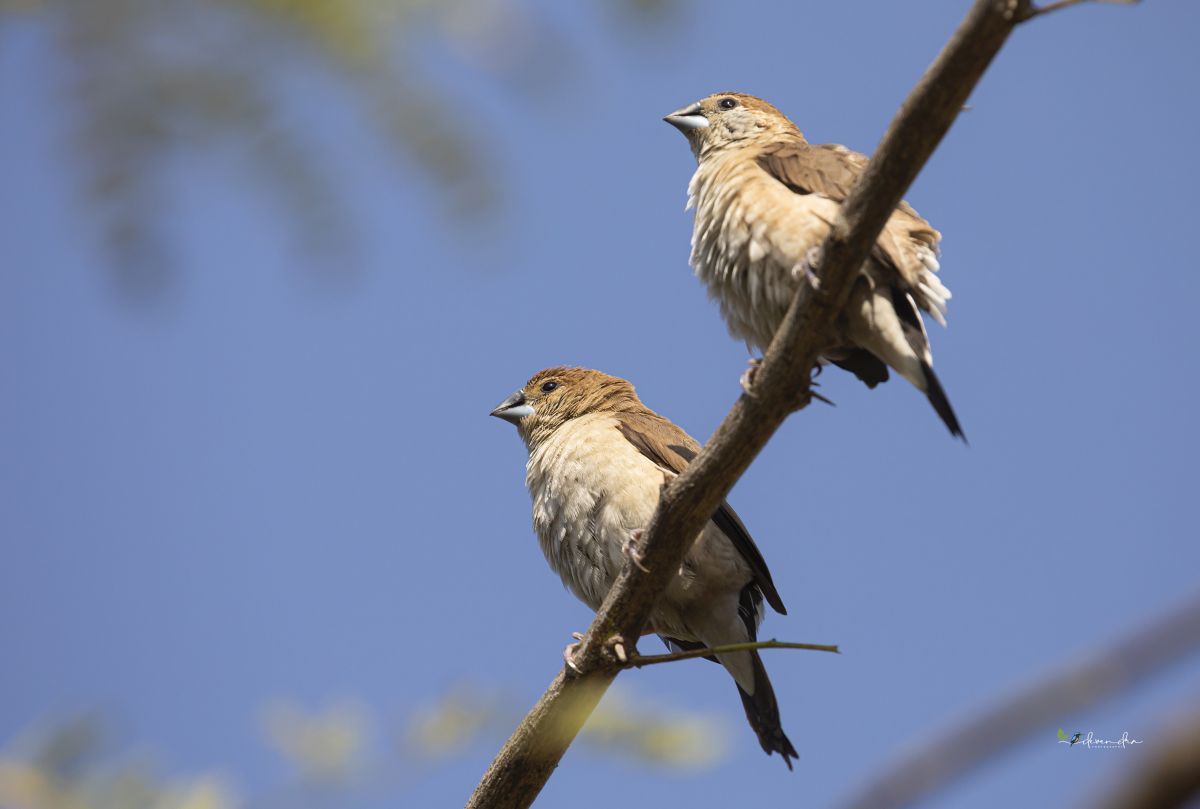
1037, 11
638, 661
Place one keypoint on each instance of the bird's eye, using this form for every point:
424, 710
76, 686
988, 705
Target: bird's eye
727, 103
549, 386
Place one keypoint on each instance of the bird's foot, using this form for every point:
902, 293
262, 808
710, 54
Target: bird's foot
569, 652
812, 383
616, 644
806, 396
808, 267
747, 378
630, 549
802, 400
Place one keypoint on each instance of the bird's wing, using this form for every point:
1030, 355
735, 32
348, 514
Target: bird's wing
908, 243
672, 450
828, 170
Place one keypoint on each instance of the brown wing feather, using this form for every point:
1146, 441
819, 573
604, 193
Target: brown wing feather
672, 449
831, 170
826, 169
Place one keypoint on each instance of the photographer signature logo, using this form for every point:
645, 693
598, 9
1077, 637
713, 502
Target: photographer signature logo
1090, 740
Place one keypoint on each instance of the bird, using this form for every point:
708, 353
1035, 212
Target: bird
598, 459
765, 199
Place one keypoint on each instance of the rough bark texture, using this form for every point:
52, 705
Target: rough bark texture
526, 761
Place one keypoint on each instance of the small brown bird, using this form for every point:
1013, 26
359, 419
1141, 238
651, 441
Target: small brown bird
598, 458
765, 199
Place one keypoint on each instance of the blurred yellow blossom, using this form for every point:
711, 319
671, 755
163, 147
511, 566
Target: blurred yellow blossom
327, 746
451, 723
654, 734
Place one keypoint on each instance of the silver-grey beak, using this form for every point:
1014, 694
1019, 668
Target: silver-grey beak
512, 409
687, 118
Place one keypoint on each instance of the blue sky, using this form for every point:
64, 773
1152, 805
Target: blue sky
273, 485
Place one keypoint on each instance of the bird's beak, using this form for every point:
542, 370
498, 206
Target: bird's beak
512, 409
687, 119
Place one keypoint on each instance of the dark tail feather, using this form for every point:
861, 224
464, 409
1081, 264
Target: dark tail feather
937, 398
763, 713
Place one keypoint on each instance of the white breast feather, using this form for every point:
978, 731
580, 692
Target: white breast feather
589, 488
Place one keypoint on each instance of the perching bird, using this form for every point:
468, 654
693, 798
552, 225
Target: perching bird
598, 458
765, 199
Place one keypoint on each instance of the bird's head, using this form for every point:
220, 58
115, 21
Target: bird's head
723, 120
554, 396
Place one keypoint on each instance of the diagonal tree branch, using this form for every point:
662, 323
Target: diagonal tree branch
1169, 779
781, 385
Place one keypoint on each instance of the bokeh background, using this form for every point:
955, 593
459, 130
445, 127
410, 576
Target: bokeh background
266, 266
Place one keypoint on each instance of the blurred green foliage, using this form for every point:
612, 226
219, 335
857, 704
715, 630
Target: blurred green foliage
70, 766
147, 80
333, 754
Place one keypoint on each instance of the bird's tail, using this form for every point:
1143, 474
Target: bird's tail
941, 404
762, 711
886, 322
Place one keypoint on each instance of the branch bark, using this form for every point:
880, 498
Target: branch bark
1170, 779
781, 385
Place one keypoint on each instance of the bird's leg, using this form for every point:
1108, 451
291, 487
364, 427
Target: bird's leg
569, 652
812, 383
630, 549
747, 378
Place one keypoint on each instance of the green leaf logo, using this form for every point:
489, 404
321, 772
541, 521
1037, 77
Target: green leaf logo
1062, 735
